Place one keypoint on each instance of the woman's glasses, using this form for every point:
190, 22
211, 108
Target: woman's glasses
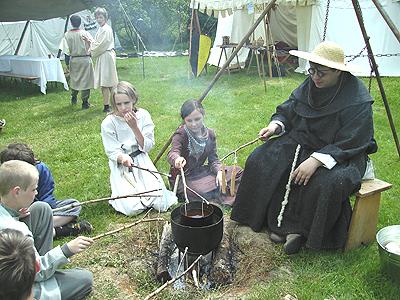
312, 71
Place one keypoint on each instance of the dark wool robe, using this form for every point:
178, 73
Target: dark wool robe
321, 210
201, 177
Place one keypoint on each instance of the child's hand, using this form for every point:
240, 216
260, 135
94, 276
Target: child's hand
24, 212
180, 162
80, 244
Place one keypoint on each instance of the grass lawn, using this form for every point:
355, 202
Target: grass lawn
68, 140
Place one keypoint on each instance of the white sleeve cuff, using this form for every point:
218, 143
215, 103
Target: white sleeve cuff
280, 124
327, 160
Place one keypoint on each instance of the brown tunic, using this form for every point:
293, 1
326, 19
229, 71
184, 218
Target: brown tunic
201, 177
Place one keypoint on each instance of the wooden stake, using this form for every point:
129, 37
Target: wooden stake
173, 279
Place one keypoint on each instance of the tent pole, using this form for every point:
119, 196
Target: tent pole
190, 40
267, 43
22, 37
222, 70
387, 19
65, 30
357, 10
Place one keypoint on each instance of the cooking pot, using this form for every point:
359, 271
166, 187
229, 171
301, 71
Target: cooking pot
198, 239
196, 213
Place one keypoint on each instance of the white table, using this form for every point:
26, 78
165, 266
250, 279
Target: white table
48, 69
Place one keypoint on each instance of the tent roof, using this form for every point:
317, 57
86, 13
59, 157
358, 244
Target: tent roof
20, 10
218, 5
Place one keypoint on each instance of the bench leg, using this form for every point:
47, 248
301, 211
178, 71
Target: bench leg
362, 229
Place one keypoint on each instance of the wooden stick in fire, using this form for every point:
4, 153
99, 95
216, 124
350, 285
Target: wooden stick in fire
142, 220
173, 279
141, 194
233, 152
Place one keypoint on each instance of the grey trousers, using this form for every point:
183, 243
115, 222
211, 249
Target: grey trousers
74, 283
85, 94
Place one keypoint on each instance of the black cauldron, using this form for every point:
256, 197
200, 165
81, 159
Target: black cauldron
196, 214
198, 239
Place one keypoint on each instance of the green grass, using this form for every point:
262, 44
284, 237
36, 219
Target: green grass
68, 140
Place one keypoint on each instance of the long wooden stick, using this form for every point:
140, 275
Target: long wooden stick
173, 279
127, 226
223, 68
233, 152
151, 171
142, 194
357, 10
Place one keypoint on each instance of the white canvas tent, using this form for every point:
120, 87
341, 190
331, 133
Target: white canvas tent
42, 38
301, 24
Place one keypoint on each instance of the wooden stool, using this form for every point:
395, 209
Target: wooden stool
364, 220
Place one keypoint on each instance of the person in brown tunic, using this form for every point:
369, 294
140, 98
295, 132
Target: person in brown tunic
79, 62
191, 145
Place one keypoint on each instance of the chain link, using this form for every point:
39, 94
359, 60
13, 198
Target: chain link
326, 19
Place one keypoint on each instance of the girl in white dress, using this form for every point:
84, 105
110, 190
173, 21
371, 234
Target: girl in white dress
128, 135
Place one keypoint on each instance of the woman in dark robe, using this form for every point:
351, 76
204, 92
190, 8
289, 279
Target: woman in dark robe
299, 182
192, 144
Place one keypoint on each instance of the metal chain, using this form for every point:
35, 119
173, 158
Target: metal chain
326, 19
367, 55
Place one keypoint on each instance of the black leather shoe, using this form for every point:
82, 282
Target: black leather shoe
278, 239
293, 244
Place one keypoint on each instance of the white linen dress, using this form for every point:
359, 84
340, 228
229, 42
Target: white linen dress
105, 71
118, 138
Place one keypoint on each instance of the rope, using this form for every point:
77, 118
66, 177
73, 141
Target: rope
286, 198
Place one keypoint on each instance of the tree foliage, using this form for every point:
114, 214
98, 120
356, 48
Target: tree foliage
161, 24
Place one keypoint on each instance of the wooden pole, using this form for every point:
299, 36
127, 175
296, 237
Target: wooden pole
222, 70
387, 19
267, 43
357, 10
22, 37
190, 40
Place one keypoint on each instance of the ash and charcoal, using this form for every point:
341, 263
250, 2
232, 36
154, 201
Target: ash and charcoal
215, 268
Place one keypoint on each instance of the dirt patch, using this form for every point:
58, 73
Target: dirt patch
124, 264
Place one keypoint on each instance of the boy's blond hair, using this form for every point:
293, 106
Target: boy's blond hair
101, 11
16, 173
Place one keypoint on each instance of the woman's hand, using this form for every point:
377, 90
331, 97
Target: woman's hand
305, 170
180, 162
79, 244
125, 160
131, 120
218, 179
24, 212
269, 131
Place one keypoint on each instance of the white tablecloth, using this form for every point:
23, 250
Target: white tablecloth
48, 69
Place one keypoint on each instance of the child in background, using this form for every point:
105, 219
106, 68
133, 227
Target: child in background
65, 223
18, 182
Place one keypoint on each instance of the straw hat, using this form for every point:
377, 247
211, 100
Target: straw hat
328, 54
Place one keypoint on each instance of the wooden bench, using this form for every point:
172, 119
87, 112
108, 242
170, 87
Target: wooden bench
22, 77
364, 220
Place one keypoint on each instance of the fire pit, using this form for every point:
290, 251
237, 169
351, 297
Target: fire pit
200, 239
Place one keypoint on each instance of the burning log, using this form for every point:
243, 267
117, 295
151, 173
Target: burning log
221, 270
173, 280
167, 247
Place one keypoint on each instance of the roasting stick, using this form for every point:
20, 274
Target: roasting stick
173, 279
128, 226
144, 169
141, 194
198, 195
234, 152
